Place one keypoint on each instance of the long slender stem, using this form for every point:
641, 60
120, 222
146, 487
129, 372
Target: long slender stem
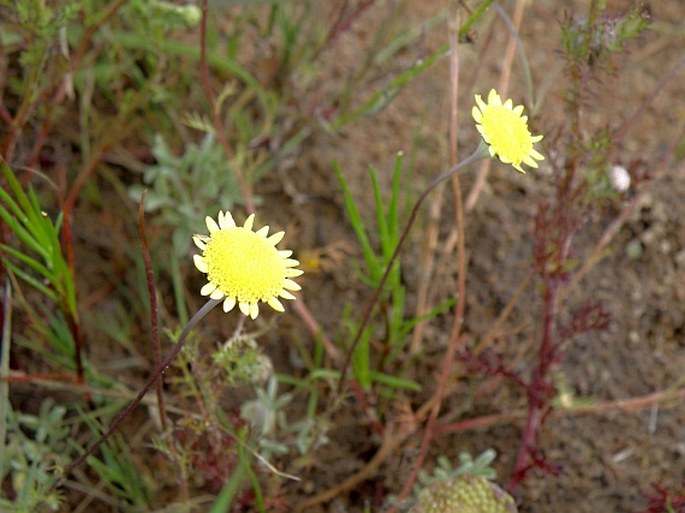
455, 342
154, 313
148, 385
480, 152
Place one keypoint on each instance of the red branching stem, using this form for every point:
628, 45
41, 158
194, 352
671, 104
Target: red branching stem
540, 392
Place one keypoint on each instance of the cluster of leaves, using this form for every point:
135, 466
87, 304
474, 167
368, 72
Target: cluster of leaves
37, 446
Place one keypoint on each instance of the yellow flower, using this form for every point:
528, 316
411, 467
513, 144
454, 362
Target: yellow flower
505, 129
244, 267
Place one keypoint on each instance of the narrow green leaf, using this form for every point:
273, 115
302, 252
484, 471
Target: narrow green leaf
228, 493
361, 361
41, 224
22, 233
393, 206
20, 195
9, 201
475, 16
433, 312
30, 280
28, 260
395, 382
386, 245
358, 227
382, 97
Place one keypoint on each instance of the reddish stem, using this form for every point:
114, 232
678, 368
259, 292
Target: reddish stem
154, 311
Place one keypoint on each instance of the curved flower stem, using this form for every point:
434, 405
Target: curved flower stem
481, 152
148, 385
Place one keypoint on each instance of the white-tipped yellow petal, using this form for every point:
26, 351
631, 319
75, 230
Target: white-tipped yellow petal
211, 225
275, 304
249, 222
229, 304
275, 238
234, 279
244, 308
530, 162
223, 221
494, 98
199, 242
291, 285
200, 264
504, 128
217, 294
228, 220
286, 295
536, 155
207, 289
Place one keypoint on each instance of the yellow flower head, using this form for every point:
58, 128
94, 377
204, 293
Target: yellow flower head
244, 267
505, 129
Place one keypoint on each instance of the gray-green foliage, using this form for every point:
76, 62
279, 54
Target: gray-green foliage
185, 189
275, 432
37, 446
243, 360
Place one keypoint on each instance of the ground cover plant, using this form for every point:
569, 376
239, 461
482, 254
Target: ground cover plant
359, 255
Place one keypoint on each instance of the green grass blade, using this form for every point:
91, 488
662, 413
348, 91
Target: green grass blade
382, 98
361, 361
42, 227
252, 477
22, 233
386, 243
475, 16
395, 382
372, 262
393, 205
228, 493
16, 189
30, 280
16, 209
29, 261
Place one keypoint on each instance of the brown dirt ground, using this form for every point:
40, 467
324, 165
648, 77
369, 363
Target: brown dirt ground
609, 460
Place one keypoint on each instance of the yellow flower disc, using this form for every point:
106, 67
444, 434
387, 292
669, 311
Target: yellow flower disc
244, 267
505, 129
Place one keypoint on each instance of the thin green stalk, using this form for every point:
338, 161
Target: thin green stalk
481, 152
